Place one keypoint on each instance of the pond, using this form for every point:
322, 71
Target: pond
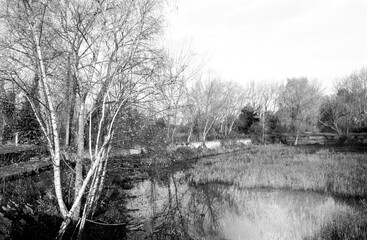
170, 208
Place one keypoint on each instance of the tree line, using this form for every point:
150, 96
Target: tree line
82, 77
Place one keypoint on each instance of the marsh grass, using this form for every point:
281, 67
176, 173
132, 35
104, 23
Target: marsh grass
280, 214
278, 166
313, 169
348, 225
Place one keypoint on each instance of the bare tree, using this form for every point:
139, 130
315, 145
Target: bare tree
351, 90
206, 100
234, 98
268, 94
181, 67
335, 114
299, 102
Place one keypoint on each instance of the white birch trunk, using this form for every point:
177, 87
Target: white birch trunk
53, 128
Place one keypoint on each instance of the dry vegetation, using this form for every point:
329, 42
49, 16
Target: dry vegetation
314, 169
277, 166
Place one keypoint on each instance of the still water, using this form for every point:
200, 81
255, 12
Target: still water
170, 208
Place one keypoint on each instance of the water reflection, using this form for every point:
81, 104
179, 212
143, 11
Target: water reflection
170, 208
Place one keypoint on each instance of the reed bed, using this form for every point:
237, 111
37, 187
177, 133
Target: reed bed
351, 225
278, 166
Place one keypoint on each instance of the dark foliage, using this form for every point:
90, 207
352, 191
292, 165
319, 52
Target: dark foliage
27, 126
247, 117
8, 110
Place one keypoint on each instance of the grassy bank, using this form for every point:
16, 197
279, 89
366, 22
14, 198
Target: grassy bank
279, 166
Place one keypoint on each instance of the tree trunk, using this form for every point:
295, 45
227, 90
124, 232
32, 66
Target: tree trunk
57, 183
263, 126
231, 126
77, 199
3, 123
102, 181
80, 155
296, 140
54, 144
207, 129
222, 128
174, 129
190, 133
263, 133
203, 137
90, 200
168, 133
70, 103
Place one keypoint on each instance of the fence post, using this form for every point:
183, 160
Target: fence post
16, 138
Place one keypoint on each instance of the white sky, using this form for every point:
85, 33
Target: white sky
272, 40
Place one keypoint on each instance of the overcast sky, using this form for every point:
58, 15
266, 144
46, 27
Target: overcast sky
272, 40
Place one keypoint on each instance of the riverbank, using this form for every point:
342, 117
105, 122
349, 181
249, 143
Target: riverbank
278, 166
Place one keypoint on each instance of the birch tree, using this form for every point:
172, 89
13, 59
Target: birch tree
105, 50
233, 99
206, 100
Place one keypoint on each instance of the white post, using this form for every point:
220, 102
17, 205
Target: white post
16, 138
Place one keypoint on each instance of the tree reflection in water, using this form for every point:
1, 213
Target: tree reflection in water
169, 208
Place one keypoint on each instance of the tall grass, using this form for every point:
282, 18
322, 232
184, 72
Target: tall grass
278, 166
349, 225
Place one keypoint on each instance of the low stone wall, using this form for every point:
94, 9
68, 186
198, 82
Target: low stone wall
212, 145
218, 144
129, 152
243, 141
